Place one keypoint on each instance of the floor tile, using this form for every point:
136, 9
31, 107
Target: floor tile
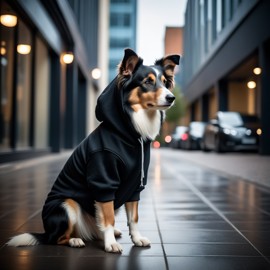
182, 250
226, 237
220, 263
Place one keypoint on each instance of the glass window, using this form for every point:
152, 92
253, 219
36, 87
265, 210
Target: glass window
120, 1
219, 16
42, 80
119, 42
120, 19
24, 51
6, 77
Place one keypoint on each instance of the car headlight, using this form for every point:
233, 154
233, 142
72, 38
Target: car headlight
229, 131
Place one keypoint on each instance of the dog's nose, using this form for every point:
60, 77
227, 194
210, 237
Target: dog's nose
170, 98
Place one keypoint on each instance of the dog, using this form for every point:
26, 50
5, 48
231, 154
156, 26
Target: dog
109, 168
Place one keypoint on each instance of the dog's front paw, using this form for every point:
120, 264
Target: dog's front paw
113, 247
117, 233
140, 241
76, 242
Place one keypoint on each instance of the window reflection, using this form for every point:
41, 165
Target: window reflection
23, 88
6, 79
41, 112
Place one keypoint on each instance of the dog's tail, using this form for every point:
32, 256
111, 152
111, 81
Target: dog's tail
27, 239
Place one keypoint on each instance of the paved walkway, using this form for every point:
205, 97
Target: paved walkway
246, 165
196, 218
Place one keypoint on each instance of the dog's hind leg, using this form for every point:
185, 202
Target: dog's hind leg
105, 222
73, 212
133, 218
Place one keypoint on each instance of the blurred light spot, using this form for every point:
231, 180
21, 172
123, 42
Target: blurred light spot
156, 144
251, 84
259, 131
257, 70
168, 139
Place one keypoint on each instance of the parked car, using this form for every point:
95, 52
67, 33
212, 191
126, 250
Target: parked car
191, 139
177, 135
231, 131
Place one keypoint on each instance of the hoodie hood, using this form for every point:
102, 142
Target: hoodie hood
113, 108
111, 112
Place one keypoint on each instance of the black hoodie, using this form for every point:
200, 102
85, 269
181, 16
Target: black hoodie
109, 165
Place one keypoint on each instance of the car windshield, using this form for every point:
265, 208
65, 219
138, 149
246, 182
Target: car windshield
179, 131
197, 128
250, 118
230, 118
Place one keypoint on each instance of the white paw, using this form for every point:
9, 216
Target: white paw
141, 241
76, 242
117, 232
113, 247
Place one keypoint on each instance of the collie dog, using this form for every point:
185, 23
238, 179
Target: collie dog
109, 167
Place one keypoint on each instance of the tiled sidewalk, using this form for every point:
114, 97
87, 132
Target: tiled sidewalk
194, 217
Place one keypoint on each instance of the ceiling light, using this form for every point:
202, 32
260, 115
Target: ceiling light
96, 73
251, 85
257, 70
8, 20
68, 57
23, 49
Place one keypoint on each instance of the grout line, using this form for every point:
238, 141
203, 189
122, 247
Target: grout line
160, 235
214, 208
157, 163
29, 218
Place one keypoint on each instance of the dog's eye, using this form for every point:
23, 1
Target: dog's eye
164, 82
149, 81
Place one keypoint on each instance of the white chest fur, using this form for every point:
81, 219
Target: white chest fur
147, 123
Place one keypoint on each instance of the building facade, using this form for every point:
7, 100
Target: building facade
227, 59
122, 32
173, 44
44, 98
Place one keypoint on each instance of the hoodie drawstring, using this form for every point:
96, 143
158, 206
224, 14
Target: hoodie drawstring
142, 161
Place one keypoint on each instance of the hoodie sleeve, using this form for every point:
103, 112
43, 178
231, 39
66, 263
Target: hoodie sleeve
103, 175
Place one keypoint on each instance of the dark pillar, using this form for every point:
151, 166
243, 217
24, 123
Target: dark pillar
81, 112
71, 105
222, 87
55, 97
13, 126
204, 107
264, 61
192, 112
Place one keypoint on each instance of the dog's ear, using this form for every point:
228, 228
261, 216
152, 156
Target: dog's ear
168, 63
129, 63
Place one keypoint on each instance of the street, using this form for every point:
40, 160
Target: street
200, 211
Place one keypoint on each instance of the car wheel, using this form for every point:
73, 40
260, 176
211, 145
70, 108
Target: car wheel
203, 147
218, 147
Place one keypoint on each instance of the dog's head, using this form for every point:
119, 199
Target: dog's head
147, 87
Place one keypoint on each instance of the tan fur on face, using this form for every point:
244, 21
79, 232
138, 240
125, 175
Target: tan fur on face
140, 100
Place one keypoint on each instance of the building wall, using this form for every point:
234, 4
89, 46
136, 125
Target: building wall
122, 33
219, 38
173, 40
44, 104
